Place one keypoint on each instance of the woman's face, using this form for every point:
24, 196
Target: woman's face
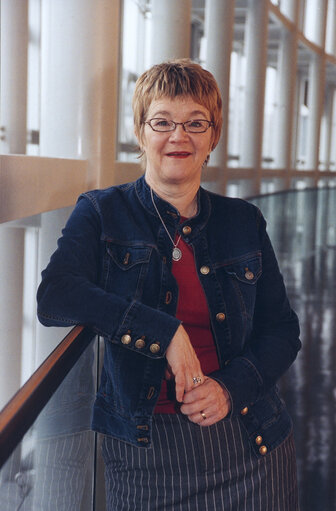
175, 157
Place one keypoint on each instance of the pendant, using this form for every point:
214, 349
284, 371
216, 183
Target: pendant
177, 254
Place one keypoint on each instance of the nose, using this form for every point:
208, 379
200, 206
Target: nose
179, 133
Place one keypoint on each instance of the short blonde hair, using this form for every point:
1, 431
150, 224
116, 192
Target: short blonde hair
180, 77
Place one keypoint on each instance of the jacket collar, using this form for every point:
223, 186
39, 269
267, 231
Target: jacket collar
169, 213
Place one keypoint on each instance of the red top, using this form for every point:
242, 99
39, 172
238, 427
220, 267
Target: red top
192, 310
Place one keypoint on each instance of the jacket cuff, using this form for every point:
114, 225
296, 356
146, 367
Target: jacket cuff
242, 381
146, 330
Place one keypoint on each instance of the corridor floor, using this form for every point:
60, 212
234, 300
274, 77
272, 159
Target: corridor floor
302, 226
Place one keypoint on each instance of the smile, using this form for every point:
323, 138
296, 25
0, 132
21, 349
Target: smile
178, 154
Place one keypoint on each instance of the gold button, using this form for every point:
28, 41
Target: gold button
168, 298
144, 440
126, 339
220, 317
155, 348
244, 411
263, 450
139, 343
151, 392
249, 275
186, 230
258, 440
205, 270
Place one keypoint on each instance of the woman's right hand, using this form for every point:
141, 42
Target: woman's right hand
183, 363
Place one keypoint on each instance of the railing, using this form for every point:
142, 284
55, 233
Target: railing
45, 438
22, 410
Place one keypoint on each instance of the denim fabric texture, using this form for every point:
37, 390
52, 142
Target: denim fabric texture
112, 272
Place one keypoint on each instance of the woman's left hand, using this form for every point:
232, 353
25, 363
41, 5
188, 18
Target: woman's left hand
207, 403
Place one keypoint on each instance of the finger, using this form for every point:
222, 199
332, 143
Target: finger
195, 378
179, 386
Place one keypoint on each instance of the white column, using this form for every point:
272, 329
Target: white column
14, 39
286, 100
13, 108
219, 23
11, 265
315, 102
171, 26
256, 60
317, 21
79, 83
326, 128
291, 9
331, 28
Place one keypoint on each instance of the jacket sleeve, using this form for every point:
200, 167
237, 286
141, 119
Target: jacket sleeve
70, 294
274, 341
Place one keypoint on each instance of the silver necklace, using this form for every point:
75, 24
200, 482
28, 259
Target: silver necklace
176, 253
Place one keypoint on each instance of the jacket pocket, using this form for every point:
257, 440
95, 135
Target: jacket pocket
243, 274
125, 268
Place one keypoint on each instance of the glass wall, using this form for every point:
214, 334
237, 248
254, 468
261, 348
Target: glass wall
296, 89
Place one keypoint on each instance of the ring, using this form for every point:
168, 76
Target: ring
203, 415
197, 379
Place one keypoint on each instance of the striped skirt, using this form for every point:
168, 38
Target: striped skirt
198, 468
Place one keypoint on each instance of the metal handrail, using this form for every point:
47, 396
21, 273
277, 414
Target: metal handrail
22, 410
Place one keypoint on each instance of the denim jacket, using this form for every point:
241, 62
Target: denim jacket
112, 272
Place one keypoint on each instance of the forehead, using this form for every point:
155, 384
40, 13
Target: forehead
179, 106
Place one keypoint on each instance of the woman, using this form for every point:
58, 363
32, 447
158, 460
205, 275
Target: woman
185, 288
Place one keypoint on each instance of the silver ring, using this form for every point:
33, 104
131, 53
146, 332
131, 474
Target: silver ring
197, 379
203, 415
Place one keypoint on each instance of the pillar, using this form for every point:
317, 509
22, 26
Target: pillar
286, 101
256, 60
219, 23
79, 83
171, 26
11, 264
315, 105
14, 40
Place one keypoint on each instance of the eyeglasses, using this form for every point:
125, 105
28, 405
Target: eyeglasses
192, 126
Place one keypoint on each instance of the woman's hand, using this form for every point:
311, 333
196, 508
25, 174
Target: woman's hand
183, 363
207, 403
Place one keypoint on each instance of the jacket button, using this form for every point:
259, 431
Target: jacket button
151, 393
168, 298
154, 348
126, 339
258, 440
139, 343
220, 317
249, 275
244, 411
186, 230
143, 440
263, 450
205, 270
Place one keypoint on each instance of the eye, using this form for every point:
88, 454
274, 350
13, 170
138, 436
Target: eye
160, 123
197, 123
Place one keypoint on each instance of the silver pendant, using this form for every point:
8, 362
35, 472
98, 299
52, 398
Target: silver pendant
177, 254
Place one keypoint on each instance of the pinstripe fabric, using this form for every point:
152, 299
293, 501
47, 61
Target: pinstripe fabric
61, 465
198, 468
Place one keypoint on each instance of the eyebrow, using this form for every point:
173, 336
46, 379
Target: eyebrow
192, 114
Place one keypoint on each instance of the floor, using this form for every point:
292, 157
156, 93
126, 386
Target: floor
302, 226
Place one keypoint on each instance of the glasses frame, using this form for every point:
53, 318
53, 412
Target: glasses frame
175, 124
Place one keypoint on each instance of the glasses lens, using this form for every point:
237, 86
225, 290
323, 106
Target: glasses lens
197, 125
161, 125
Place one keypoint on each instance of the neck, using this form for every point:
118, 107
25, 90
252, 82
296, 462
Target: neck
182, 197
